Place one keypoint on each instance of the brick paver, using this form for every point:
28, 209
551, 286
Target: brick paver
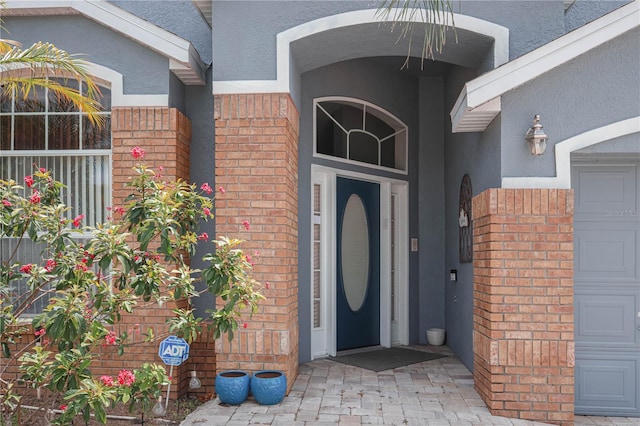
432, 393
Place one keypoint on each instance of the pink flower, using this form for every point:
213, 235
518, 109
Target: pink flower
50, 265
221, 189
106, 380
126, 377
6, 203
256, 253
206, 188
26, 268
119, 210
42, 170
110, 339
266, 285
203, 237
245, 223
81, 266
28, 180
206, 211
63, 407
35, 197
40, 332
78, 220
245, 325
137, 153
249, 260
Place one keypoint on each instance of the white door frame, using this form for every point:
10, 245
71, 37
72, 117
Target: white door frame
323, 338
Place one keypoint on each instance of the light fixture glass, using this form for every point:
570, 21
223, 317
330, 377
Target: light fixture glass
536, 137
194, 383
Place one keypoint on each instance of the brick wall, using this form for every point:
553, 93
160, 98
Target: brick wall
165, 136
523, 303
257, 164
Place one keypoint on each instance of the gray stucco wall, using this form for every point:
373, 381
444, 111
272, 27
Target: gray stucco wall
251, 27
476, 154
199, 108
397, 93
584, 11
144, 71
431, 208
629, 144
531, 23
593, 90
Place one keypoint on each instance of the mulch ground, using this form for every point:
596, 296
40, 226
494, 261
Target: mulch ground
176, 412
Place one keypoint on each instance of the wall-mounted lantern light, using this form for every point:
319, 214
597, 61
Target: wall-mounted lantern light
536, 137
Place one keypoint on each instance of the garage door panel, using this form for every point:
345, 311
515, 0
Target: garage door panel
603, 190
606, 385
608, 320
607, 287
604, 252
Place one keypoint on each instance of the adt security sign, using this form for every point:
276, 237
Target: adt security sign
173, 350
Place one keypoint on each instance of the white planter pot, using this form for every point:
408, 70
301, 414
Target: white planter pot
435, 336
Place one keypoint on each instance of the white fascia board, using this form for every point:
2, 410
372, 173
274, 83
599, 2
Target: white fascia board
526, 68
284, 39
563, 151
176, 49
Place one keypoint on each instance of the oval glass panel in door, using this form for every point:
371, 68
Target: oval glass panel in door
355, 252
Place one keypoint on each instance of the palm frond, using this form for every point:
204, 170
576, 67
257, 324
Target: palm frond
435, 17
45, 61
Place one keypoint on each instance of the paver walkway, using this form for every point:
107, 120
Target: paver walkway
431, 393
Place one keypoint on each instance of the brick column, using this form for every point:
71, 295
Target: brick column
165, 136
523, 303
257, 164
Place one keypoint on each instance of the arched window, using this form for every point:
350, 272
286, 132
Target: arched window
357, 131
46, 131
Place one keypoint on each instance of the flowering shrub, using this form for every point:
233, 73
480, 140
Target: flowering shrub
139, 258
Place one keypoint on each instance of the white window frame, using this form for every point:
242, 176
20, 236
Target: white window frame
366, 105
65, 155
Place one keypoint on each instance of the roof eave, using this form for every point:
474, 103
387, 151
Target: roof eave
475, 107
184, 60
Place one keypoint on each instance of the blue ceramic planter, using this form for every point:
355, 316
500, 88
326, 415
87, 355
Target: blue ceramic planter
268, 386
232, 386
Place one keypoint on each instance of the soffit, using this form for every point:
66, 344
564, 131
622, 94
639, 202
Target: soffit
205, 7
184, 60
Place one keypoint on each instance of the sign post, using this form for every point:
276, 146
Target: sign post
173, 351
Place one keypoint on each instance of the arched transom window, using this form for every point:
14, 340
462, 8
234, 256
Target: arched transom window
357, 131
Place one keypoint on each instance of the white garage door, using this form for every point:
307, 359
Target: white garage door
607, 287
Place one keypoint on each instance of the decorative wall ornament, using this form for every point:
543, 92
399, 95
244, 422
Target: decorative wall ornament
465, 224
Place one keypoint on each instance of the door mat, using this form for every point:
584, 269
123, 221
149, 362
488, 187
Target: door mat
386, 359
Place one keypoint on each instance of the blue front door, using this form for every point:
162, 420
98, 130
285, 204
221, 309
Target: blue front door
358, 260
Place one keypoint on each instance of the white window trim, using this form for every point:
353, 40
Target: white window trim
323, 339
366, 104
